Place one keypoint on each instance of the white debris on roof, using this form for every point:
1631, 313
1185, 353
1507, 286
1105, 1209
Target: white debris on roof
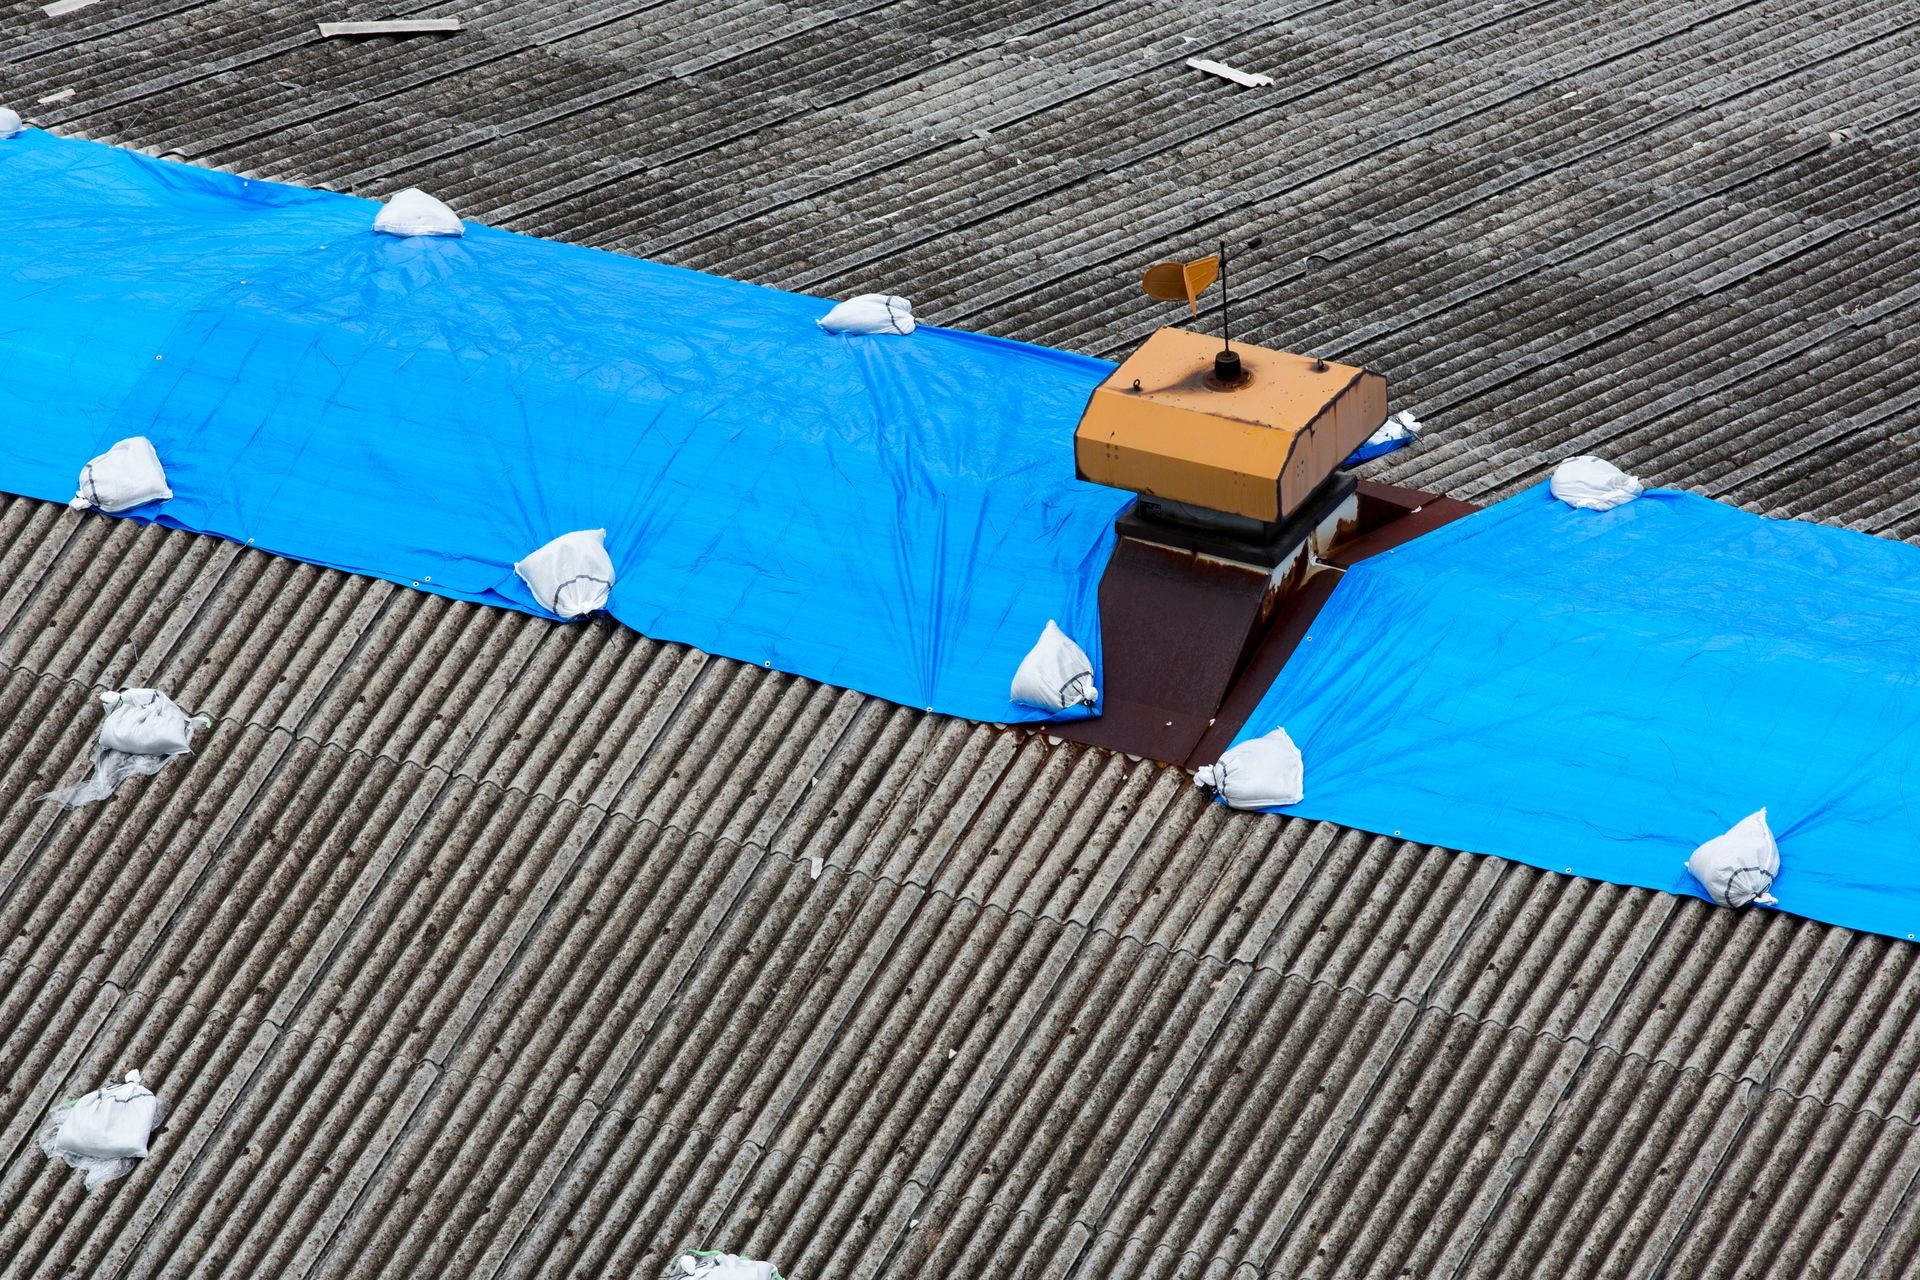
144, 729
388, 27
105, 1131
572, 576
1261, 774
1055, 674
126, 476
60, 8
10, 122
1249, 79
869, 313
1593, 484
1738, 867
415, 213
58, 95
725, 1266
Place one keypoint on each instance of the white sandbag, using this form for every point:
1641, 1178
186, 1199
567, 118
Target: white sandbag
10, 122
415, 213
1739, 867
145, 722
1055, 674
869, 313
1593, 484
122, 478
1401, 426
572, 575
725, 1266
1260, 774
144, 729
105, 1131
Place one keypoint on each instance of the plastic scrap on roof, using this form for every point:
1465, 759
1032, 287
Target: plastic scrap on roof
894, 514
1602, 692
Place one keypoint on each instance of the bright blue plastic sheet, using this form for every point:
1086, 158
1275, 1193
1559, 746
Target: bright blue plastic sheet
1600, 692
895, 515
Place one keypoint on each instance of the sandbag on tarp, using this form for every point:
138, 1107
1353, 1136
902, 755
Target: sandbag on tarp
896, 517
1260, 773
106, 1131
1055, 674
572, 575
143, 730
1593, 484
415, 213
1737, 867
10, 123
1596, 695
869, 313
126, 476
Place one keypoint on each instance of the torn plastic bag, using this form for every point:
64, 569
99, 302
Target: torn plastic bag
415, 213
1738, 868
572, 576
1262, 773
10, 122
1593, 484
122, 478
105, 1131
1055, 674
725, 1266
1399, 431
869, 313
144, 729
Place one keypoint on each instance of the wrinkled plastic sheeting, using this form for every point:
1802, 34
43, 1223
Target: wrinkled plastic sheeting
126, 476
143, 730
1593, 692
1258, 773
1055, 674
1593, 484
104, 1132
1737, 867
897, 517
415, 213
869, 313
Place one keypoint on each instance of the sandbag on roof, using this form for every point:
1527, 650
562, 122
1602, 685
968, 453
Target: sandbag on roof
725, 1266
1593, 484
1259, 773
10, 123
869, 313
104, 1132
1737, 867
143, 730
571, 576
126, 476
1055, 674
415, 213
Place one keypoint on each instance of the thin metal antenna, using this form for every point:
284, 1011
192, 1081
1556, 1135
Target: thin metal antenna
1226, 321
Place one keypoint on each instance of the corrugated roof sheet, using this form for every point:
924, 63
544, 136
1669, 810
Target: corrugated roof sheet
470, 945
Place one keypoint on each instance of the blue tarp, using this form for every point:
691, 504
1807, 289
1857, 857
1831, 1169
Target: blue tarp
895, 515
1600, 692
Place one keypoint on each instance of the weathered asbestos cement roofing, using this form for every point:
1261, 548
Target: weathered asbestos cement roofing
469, 945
